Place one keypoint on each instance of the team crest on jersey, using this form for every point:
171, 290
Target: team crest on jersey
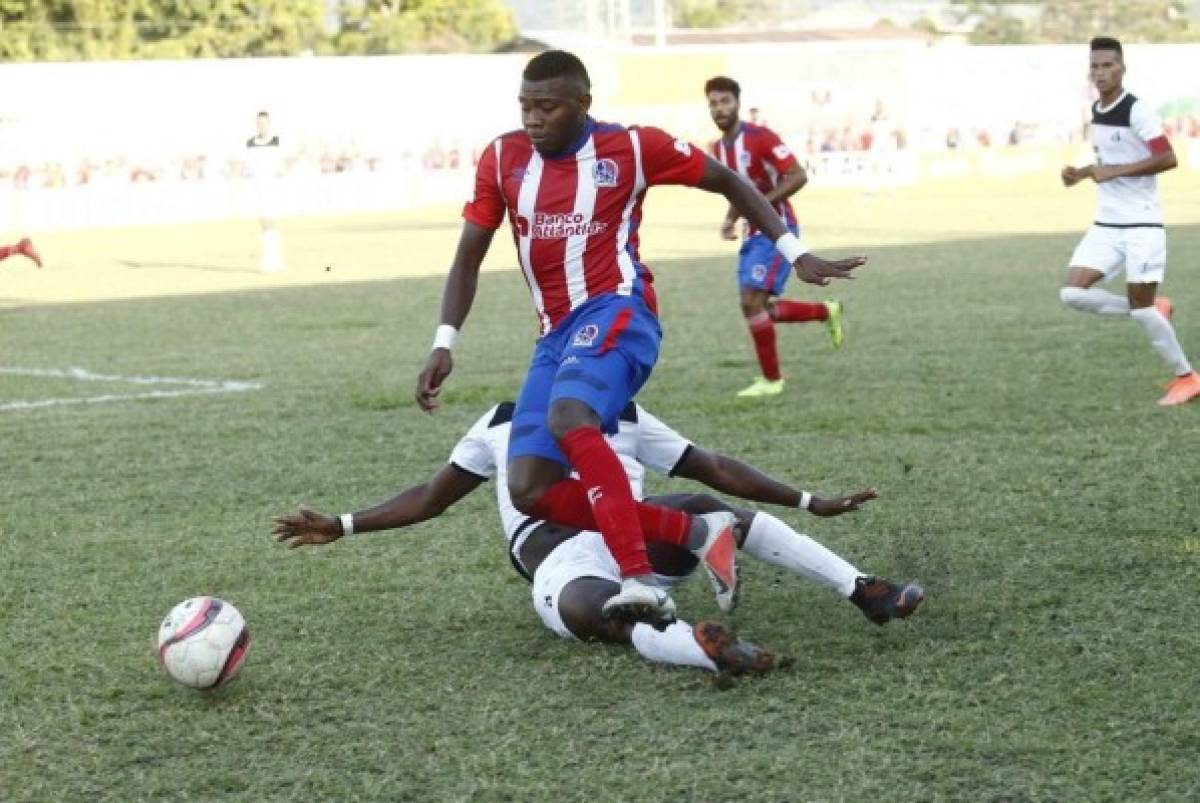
683, 147
781, 151
744, 157
586, 336
759, 272
604, 173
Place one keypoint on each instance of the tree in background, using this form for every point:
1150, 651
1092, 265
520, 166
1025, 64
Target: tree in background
1068, 21
82, 30
422, 26
722, 13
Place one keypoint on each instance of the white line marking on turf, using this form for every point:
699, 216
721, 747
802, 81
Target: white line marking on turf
192, 387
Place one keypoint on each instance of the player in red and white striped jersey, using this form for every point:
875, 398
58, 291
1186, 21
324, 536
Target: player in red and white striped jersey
1127, 235
572, 189
757, 154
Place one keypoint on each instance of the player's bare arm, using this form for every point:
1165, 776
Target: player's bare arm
736, 478
419, 503
1152, 165
457, 297
751, 204
789, 184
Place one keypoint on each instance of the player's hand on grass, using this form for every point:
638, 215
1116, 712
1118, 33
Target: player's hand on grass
840, 504
306, 528
814, 270
429, 383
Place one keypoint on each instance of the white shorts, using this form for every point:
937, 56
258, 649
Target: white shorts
1140, 252
584, 555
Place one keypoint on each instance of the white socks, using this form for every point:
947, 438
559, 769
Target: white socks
772, 541
272, 251
1093, 299
1157, 328
675, 645
1162, 336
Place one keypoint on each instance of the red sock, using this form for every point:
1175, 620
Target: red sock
566, 503
762, 329
797, 311
610, 496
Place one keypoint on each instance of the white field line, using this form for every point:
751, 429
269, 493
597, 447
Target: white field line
192, 387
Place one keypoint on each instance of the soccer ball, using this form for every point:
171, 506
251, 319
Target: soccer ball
202, 642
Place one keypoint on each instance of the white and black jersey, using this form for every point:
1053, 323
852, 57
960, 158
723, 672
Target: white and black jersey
264, 159
1125, 132
641, 441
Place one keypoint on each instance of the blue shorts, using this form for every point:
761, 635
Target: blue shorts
601, 354
761, 266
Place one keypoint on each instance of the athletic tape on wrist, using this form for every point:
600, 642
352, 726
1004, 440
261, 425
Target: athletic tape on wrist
805, 501
790, 246
347, 520
444, 337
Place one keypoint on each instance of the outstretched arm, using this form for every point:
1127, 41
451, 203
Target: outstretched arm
736, 478
457, 297
751, 204
412, 505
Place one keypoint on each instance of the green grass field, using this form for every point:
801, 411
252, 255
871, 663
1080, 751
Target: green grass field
1026, 477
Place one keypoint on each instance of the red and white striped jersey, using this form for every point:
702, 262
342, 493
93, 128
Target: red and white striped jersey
758, 155
575, 215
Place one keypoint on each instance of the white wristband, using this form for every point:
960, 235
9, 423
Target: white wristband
805, 500
444, 337
790, 246
347, 520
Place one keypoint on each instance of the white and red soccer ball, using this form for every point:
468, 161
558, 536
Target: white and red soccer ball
202, 642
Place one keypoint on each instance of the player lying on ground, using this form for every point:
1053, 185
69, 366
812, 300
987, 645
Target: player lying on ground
24, 247
571, 189
573, 573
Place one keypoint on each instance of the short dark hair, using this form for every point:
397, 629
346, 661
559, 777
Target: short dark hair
723, 83
1107, 43
557, 64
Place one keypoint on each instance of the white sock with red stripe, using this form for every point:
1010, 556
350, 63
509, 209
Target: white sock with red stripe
674, 645
772, 541
1093, 299
1162, 337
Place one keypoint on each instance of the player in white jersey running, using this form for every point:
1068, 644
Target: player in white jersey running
572, 572
1127, 235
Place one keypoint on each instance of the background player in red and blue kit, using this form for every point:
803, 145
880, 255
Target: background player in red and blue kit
756, 153
572, 190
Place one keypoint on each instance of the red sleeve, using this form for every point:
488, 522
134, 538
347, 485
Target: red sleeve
486, 209
666, 160
774, 152
1159, 145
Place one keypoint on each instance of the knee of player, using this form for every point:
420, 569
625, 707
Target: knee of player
525, 494
569, 414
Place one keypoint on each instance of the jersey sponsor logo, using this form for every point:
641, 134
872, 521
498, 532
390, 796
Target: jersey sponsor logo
781, 151
586, 337
604, 173
683, 147
594, 494
556, 225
